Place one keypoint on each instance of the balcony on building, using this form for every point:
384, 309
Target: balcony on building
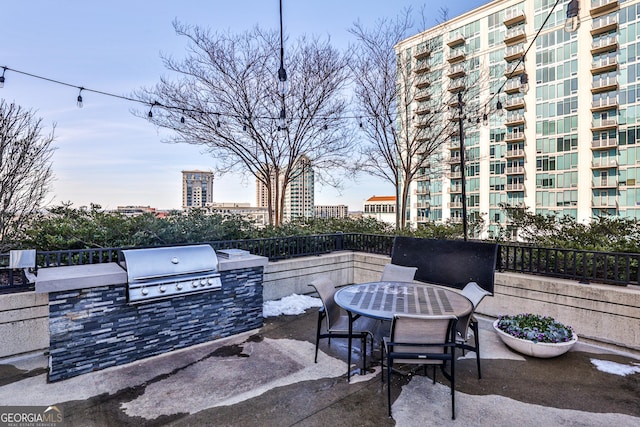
456, 71
512, 86
512, 53
604, 143
421, 67
607, 103
455, 205
514, 119
455, 40
518, 186
604, 124
423, 191
514, 170
600, 7
515, 35
422, 124
422, 95
456, 85
513, 15
604, 163
514, 136
422, 51
453, 104
604, 203
456, 55
514, 69
455, 174
455, 189
603, 65
604, 44
607, 182
514, 103
454, 159
514, 153
422, 81
423, 108
454, 143
604, 24
605, 84
422, 205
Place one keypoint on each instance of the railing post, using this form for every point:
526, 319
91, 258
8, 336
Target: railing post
339, 241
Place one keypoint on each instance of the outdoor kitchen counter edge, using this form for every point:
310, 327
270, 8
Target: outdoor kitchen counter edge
57, 279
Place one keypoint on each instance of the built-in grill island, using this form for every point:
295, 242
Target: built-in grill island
154, 301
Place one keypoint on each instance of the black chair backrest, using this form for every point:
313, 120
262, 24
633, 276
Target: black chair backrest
452, 263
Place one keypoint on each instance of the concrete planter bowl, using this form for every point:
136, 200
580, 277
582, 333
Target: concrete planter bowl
530, 348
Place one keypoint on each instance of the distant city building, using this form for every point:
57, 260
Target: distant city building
135, 210
382, 208
331, 211
258, 214
197, 189
299, 194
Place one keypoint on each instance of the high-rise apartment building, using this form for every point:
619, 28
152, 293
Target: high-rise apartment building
299, 194
569, 145
197, 189
331, 211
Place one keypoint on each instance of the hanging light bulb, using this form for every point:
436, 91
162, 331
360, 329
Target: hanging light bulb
282, 121
182, 119
485, 119
499, 109
218, 121
573, 20
79, 103
524, 83
150, 113
2, 77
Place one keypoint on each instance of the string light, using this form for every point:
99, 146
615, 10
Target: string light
150, 113
4, 69
218, 121
524, 83
79, 100
573, 20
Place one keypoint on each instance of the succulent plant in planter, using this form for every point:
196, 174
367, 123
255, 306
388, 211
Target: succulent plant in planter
535, 335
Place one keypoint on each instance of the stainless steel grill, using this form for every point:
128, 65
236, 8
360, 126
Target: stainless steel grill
159, 273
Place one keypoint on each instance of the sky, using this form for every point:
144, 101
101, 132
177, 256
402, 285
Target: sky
105, 154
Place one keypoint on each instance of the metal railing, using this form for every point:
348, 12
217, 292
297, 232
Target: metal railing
616, 268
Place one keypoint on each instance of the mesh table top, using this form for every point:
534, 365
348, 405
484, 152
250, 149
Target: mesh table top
381, 300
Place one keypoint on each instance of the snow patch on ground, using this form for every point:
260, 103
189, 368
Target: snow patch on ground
616, 368
290, 305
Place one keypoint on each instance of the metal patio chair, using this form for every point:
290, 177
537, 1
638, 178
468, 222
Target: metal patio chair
398, 273
422, 340
337, 321
475, 294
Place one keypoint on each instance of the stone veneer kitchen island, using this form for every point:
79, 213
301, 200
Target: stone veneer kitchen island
92, 325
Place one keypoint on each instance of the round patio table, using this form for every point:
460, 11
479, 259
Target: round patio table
381, 300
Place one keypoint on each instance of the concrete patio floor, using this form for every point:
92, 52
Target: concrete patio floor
268, 378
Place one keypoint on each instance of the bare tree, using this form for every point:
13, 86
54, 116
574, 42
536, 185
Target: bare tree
408, 117
226, 98
25, 170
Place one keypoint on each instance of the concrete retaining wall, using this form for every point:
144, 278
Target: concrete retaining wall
24, 323
601, 313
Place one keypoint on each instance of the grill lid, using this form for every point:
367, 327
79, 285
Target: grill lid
146, 264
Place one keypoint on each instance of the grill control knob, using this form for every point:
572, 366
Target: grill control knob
163, 288
212, 282
179, 286
194, 284
144, 291
203, 282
